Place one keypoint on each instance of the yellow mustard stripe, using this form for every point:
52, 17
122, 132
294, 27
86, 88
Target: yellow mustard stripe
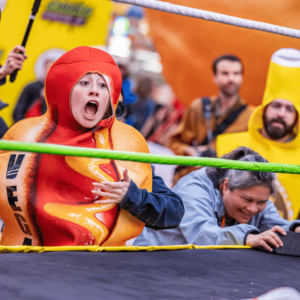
39, 249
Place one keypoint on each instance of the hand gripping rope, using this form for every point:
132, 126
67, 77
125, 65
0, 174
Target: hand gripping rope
211, 16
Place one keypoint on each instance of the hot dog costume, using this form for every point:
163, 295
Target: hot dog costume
46, 199
283, 82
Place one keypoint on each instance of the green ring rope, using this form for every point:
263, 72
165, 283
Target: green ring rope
148, 158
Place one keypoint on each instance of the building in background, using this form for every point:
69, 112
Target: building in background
128, 40
130, 43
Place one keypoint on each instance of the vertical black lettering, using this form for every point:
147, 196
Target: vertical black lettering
11, 198
27, 242
22, 223
14, 165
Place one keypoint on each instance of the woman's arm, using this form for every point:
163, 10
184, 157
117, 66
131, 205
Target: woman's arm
159, 209
270, 218
270, 222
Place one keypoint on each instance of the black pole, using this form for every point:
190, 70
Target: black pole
34, 11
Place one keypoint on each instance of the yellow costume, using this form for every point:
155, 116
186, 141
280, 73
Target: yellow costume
283, 82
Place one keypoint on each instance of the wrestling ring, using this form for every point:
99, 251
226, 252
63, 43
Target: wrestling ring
153, 272
168, 272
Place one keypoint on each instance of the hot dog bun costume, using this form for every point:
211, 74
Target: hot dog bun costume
283, 82
46, 199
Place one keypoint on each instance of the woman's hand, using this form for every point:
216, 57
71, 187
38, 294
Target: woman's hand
265, 238
114, 191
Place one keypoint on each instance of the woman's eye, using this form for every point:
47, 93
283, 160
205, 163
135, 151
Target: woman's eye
84, 82
262, 202
103, 85
247, 200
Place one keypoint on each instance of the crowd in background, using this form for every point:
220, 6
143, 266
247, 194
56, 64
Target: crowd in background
153, 109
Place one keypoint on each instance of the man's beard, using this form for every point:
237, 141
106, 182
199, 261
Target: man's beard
275, 132
230, 92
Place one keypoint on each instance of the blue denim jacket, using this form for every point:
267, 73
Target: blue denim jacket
204, 210
160, 209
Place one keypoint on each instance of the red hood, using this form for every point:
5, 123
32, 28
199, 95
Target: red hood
63, 75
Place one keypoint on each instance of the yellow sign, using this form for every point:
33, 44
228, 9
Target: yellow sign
60, 25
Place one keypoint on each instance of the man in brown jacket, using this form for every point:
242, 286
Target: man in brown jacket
207, 117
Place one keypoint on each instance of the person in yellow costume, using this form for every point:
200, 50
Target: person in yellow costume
273, 128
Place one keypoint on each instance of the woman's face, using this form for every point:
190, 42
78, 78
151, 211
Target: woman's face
242, 205
89, 100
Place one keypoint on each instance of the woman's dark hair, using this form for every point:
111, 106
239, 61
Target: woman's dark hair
240, 179
108, 112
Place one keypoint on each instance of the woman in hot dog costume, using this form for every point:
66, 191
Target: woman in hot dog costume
53, 200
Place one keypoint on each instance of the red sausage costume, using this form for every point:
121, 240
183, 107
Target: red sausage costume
47, 199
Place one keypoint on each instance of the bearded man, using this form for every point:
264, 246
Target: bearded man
280, 118
273, 128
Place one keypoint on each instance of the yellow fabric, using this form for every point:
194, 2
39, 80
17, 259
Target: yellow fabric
38, 249
282, 82
44, 36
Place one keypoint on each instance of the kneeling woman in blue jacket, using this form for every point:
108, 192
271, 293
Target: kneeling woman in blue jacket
225, 207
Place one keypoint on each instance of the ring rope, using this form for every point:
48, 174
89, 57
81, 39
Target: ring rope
215, 17
148, 158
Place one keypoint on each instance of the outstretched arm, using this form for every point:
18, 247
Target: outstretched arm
271, 222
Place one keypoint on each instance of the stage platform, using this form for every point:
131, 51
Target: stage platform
183, 274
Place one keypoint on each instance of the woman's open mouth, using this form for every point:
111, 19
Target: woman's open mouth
91, 109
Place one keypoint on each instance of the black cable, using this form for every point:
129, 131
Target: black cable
34, 11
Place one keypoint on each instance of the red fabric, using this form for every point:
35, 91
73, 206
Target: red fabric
35, 110
56, 181
64, 74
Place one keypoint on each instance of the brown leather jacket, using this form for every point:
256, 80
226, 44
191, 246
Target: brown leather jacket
193, 124
193, 127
